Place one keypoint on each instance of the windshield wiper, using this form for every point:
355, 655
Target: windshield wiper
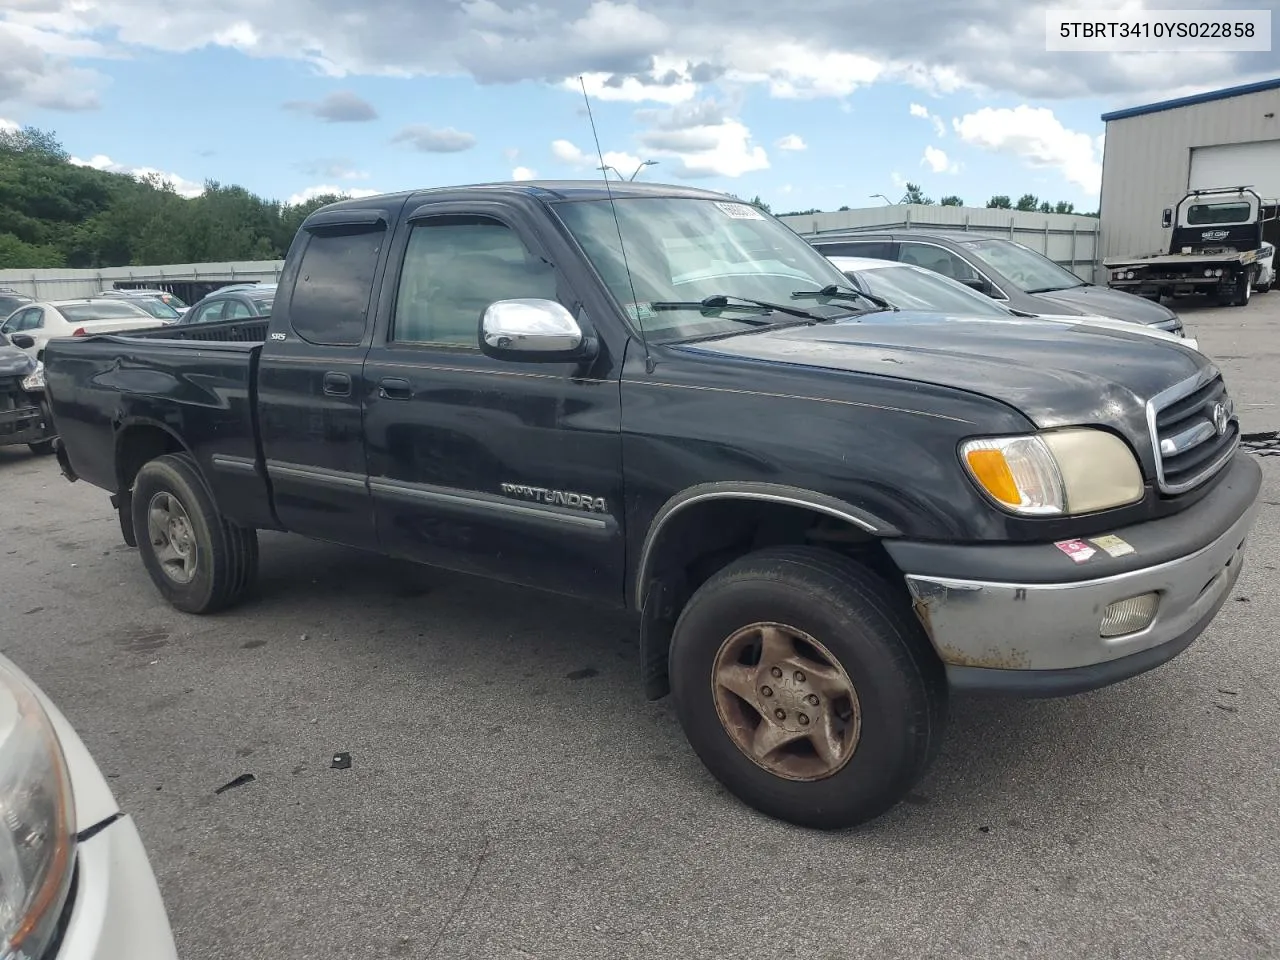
721, 301
833, 292
1070, 286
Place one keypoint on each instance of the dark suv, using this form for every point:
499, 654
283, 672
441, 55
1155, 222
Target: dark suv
1002, 269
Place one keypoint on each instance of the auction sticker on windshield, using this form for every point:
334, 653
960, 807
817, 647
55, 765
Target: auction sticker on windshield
740, 211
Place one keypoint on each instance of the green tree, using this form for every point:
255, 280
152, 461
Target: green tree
1028, 201
951, 201
1063, 206
914, 194
999, 202
54, 213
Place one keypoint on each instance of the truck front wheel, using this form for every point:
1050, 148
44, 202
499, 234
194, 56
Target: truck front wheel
807, 688
200, 562
1244, 288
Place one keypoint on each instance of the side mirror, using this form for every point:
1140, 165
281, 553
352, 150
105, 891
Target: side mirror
22, 341
976, 283
1166, 218
533, 330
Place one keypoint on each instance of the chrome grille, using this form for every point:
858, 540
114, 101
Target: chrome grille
1194, 431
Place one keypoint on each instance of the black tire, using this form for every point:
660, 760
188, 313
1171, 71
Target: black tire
900, 682
226, 554
1244, 289
41, 448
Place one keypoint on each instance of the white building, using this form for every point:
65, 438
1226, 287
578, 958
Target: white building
1154, 154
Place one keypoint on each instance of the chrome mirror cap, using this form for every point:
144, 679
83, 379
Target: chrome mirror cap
541, 327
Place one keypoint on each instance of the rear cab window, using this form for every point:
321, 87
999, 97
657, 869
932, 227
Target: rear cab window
334, 285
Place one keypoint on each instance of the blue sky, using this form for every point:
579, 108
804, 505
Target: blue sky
241, 95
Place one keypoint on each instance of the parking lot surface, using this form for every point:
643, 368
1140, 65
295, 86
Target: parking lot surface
512, 795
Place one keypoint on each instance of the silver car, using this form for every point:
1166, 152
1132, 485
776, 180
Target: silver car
75, 880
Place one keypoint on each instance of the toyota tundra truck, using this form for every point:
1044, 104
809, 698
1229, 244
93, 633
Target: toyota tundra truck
827, 515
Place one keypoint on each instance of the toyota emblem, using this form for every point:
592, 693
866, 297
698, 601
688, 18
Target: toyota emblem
1221, 417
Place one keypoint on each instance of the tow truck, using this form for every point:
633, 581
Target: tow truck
1223, 244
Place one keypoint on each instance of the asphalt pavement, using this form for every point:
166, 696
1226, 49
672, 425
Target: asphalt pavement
511, 794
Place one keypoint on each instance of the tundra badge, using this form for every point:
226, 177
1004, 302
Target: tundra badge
564, 498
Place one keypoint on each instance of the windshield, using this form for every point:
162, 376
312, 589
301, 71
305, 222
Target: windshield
1234, 212
102, 310
157, 308
915, 288
681, 249
264, 305
1030, 271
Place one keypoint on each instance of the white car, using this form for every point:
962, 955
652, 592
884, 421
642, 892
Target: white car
34, 325
909, 287
75, 881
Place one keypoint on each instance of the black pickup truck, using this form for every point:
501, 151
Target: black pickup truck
827, 514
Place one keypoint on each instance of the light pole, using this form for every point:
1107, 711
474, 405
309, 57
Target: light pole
643, 164
882, 197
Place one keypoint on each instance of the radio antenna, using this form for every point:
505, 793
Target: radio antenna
635, 301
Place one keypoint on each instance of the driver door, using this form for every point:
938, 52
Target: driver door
494, 467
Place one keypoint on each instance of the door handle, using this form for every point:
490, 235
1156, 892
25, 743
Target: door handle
337, 384
393, 388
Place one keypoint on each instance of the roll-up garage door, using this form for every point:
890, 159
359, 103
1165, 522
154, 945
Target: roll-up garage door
1237, 165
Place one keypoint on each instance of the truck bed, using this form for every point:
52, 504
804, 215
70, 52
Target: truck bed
121, 399
1176, 259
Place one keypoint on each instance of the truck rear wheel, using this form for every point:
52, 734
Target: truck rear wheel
807, 688
200, 562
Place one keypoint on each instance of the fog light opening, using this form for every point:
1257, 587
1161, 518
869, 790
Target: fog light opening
1129, 616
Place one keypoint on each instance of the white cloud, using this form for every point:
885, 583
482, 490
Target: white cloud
324, 190
720, 150
1038, 138
511, 154
797, 71
664, 87
659, 50
9, 126
523, 173
792, 141
181, 185
921, 111
571, 155
937, 161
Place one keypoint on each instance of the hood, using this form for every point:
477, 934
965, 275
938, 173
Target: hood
15, 362
1054, 374
1108, 303
1122, 325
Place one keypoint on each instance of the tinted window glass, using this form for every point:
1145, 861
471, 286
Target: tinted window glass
207, 312
454, 267
101, 310
936, 259
876, 249
236, 310
9, 303
1202, 213
1032, 272
910, 288
330, 302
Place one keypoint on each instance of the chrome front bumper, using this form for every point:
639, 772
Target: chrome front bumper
1045, 639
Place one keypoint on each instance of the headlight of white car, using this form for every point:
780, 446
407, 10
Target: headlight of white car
1060, 472
35, 379
37, 823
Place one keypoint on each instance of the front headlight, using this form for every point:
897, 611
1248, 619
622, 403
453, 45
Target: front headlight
37, 823
34, 380
1060, 472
